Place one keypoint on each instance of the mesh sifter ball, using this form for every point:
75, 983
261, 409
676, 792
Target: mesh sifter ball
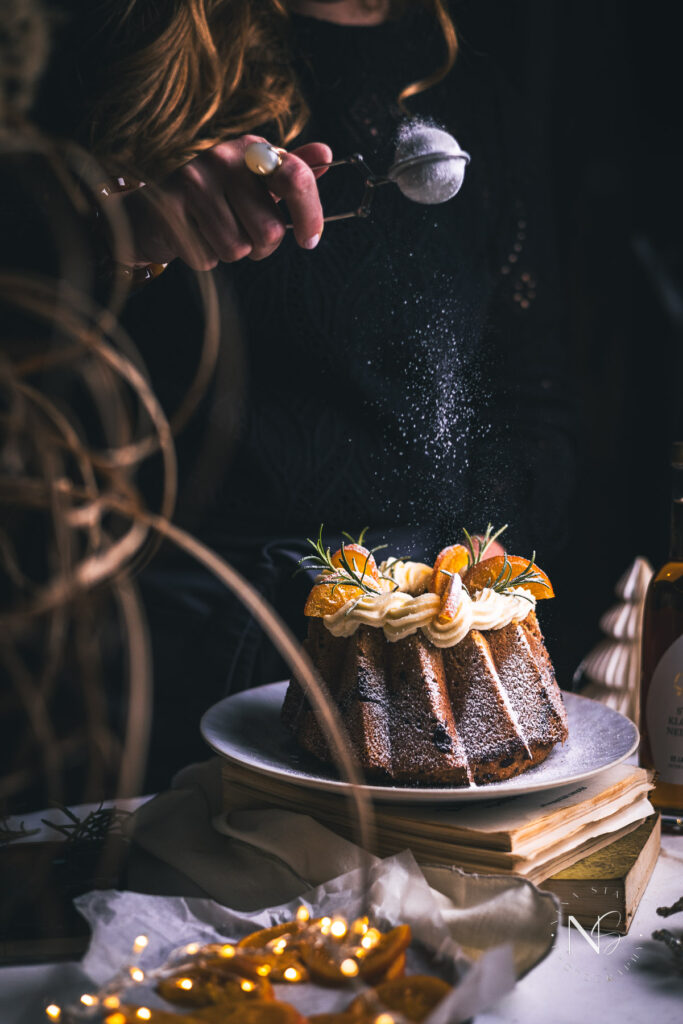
429, 165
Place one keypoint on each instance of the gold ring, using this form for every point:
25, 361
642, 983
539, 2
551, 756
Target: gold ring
263, 159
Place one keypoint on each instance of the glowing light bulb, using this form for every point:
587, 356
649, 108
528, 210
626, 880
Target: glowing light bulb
303, 915
280, 946
111, 1003
291, 974
384, 1018
141, 942
263, 970
338, 928
115, 1018
192, 948
325, 925
53, 1011
88, 1000
136, 974
143, 1013
185, 983
227, 950
247, 986
370, 939
349, 968
360, 925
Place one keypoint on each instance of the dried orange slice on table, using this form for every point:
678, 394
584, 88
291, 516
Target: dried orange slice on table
261, 938
344, 1017
125, 1014
256, 1012
414, 997
387, 956
215, 981
269, 951
379, 955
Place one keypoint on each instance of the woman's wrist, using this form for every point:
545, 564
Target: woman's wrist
138, 272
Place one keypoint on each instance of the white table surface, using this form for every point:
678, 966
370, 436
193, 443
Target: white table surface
631, 980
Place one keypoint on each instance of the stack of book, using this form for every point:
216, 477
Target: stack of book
540, 836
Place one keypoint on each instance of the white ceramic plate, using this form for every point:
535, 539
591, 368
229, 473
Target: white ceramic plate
246, 728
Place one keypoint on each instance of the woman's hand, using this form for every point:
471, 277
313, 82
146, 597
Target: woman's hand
214, 209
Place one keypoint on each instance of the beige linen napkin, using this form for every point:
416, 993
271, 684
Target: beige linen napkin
258, 858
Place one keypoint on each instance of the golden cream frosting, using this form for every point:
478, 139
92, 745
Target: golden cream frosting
404, 610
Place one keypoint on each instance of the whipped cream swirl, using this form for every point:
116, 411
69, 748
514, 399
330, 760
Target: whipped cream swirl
400, 613
410, 577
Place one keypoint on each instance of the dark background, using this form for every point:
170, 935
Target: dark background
602, 81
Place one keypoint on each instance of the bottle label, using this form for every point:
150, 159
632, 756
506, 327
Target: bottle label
664, 714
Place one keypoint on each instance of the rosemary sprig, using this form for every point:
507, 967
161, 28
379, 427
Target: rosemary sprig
344, 575
8, 834
505, 581
476, 554
94, 827
361, 536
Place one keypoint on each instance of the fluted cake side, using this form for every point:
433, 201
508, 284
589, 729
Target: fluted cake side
481, 711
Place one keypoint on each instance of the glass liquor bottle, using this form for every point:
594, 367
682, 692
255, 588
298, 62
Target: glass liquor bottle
661, 693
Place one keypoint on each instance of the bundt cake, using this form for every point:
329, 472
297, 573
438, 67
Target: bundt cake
440, 672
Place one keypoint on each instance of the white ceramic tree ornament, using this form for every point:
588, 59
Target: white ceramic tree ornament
612, 668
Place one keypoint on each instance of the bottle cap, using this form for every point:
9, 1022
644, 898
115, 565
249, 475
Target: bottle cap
677, 453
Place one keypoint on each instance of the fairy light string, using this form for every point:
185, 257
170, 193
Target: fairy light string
345, 942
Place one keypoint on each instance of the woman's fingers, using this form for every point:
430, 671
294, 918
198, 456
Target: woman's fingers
316, 154
215, 219
295, 182
214, 208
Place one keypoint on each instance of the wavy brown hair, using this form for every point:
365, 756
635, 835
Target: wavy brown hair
187, 74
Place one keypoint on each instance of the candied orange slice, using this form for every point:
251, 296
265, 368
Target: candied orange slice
256, 1012
450, 599
328, 598
452, 559
414, 997
487, 572
361, 561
